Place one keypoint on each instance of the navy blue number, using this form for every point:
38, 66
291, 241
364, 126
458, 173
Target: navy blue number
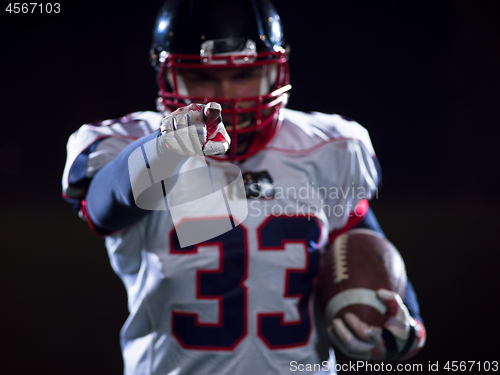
224, 284
273, 235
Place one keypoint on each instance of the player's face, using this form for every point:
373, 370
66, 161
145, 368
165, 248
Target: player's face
227, 83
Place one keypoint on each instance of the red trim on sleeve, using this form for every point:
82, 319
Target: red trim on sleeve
92, 227
423, 333
355, 217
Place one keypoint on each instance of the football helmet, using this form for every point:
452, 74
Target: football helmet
217, 34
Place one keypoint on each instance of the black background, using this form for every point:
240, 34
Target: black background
422, 76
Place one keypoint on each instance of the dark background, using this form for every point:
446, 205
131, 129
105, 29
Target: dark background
422, 76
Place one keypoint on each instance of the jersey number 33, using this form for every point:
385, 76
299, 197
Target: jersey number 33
227, 286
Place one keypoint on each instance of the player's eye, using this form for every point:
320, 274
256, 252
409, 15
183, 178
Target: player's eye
197, 77
247, 74
202, 78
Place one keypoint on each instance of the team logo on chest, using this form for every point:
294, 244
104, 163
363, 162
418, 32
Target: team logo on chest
258, 185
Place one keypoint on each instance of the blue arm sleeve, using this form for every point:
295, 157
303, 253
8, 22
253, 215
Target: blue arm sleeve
410, 299
370, 222
411, 302
110, 200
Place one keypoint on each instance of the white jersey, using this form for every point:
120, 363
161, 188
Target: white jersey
243, 302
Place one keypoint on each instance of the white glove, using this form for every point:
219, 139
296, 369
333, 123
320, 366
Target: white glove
399, 339
196, 130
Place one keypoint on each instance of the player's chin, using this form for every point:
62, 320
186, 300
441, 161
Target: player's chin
243, 121
244, 141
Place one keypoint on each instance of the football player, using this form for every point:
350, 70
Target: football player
273, 185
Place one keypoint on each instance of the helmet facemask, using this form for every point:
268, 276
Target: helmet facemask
250, 121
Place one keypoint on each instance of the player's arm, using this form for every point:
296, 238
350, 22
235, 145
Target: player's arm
403, 334
117, 196
110, 204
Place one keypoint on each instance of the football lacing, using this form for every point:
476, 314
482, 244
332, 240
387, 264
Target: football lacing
339, 261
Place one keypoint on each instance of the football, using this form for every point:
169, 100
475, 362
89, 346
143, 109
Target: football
354, 267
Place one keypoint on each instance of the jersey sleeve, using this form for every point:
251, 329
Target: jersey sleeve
352, 171
95, 145
122, 192
339, 128
360, 170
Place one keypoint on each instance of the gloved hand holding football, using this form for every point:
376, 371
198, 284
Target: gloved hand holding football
399, 338
361, 285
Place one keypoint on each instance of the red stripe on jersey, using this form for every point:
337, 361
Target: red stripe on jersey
355, 217
315, 147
